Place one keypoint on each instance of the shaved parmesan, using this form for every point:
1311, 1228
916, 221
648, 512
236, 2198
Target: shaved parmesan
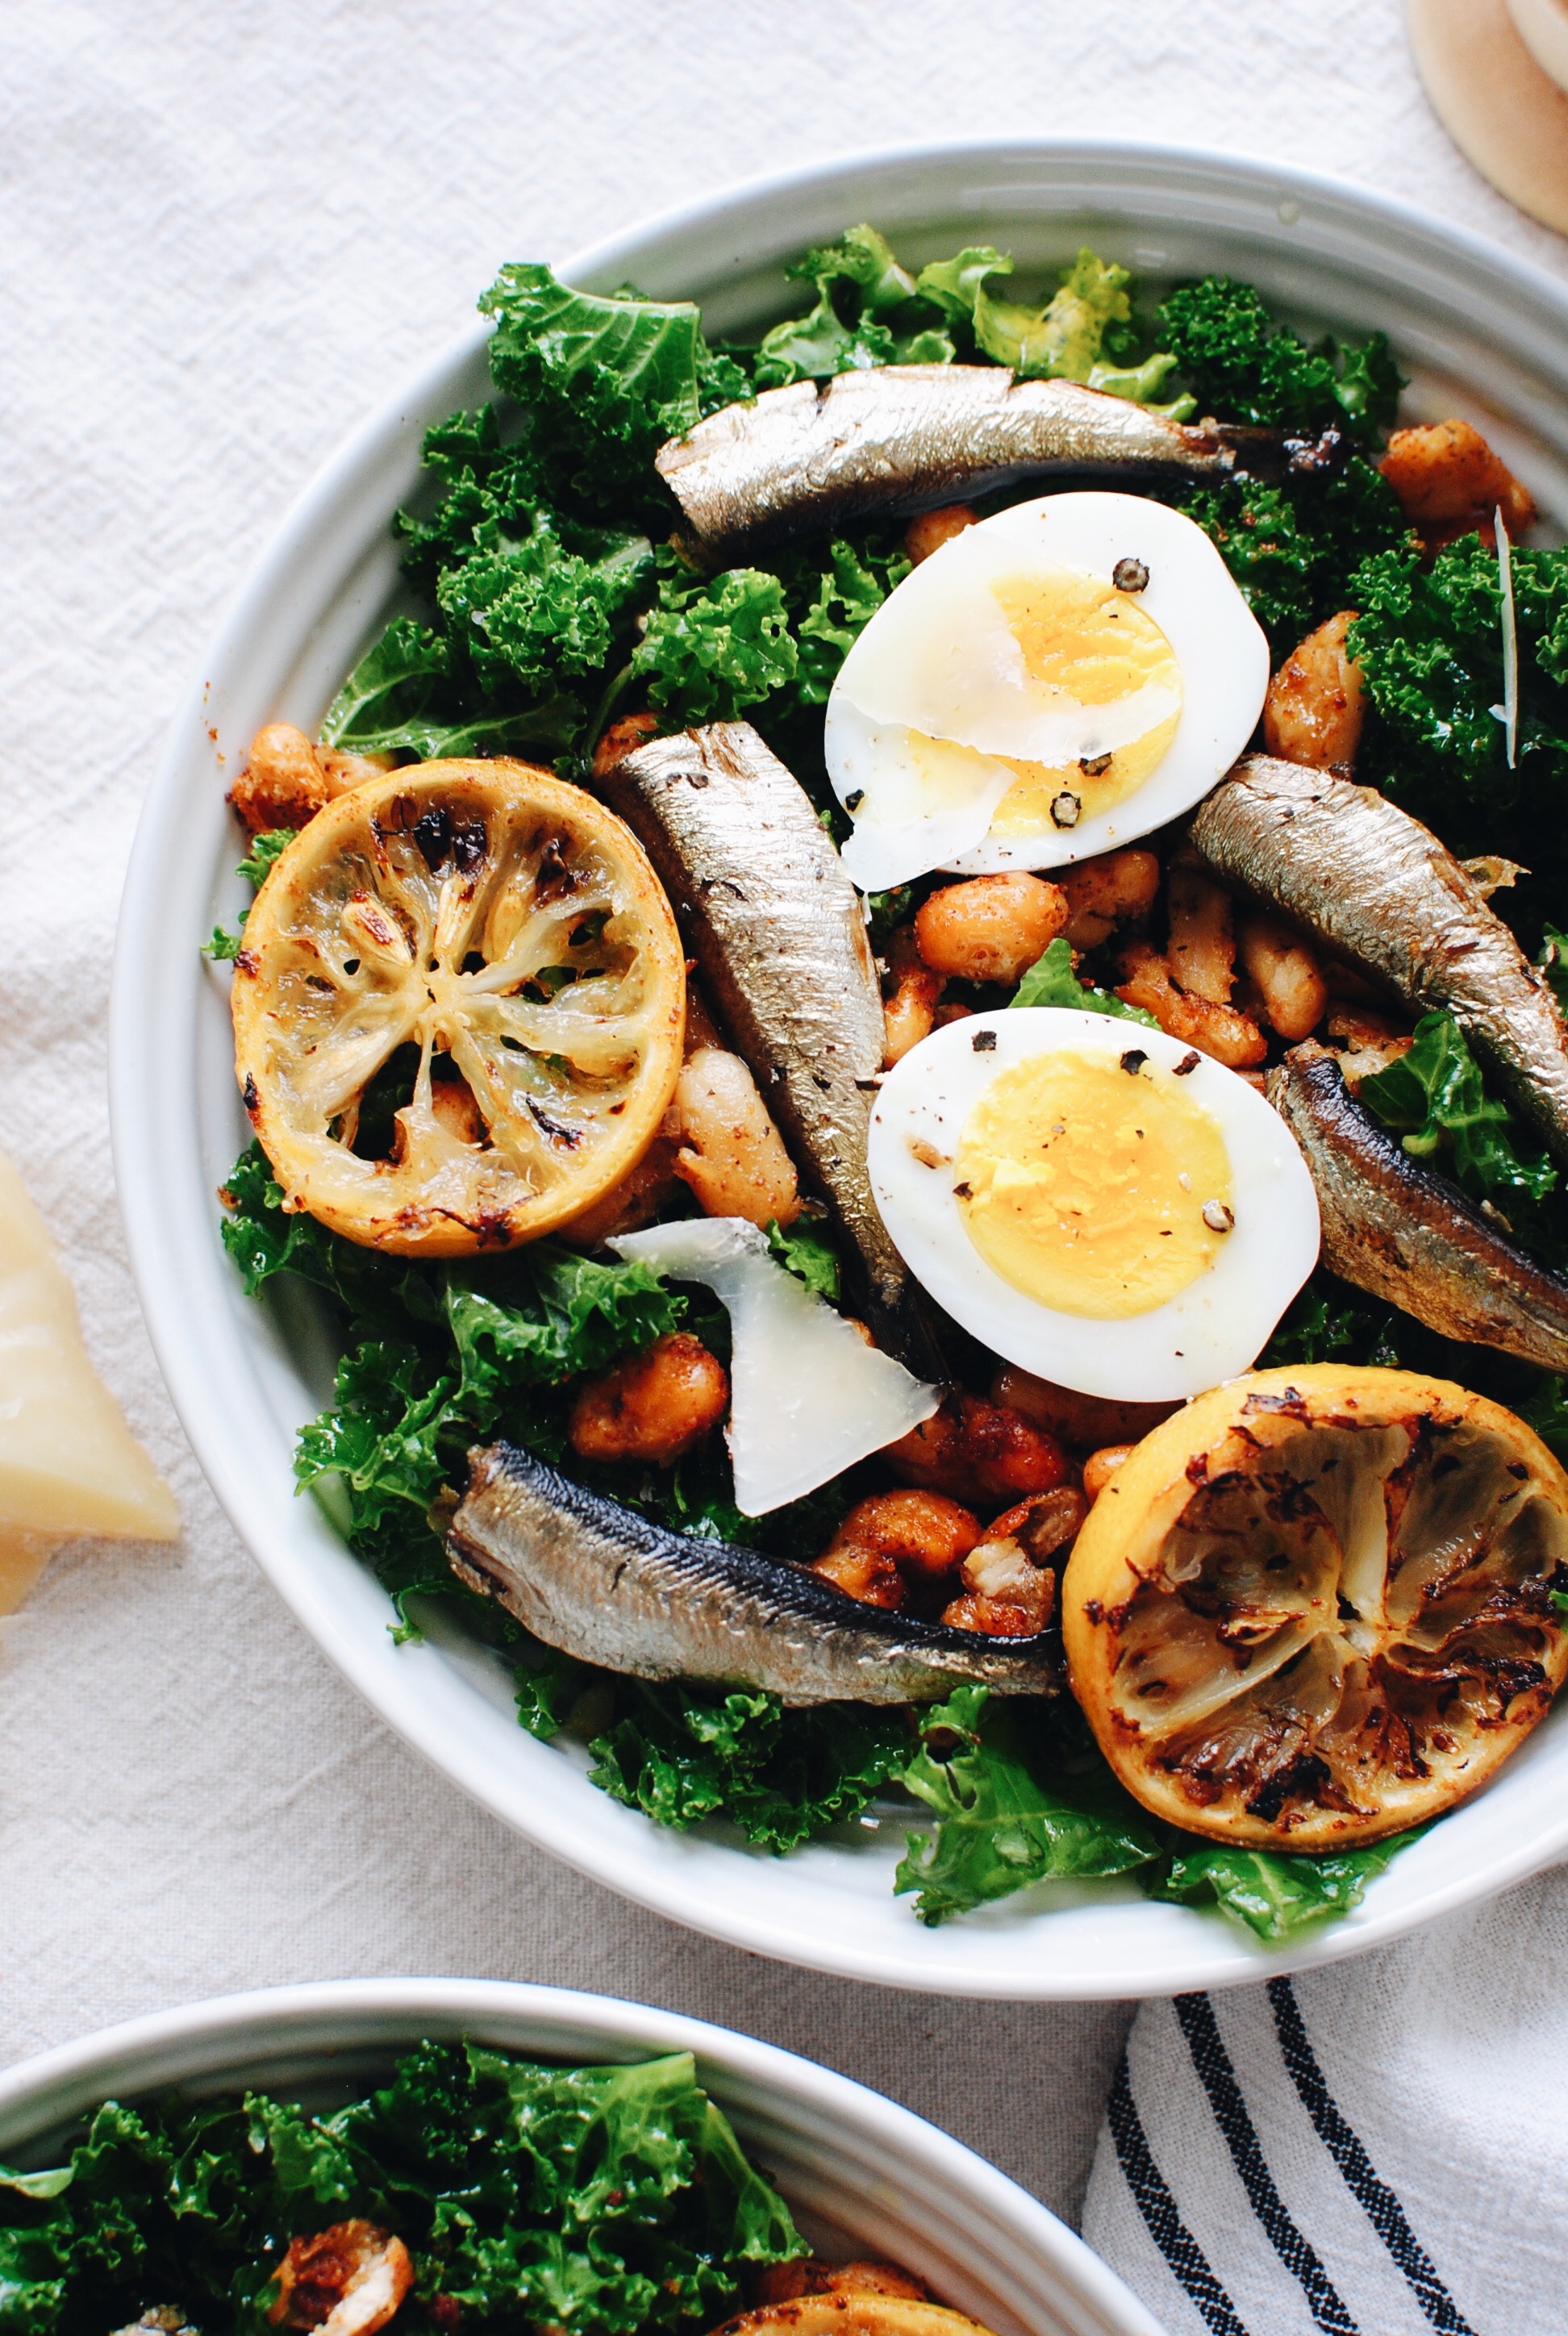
1508, 712
808, 1398
68, 1465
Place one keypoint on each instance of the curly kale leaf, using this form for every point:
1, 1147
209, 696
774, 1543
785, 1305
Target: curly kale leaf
1430, 644
1276, 1898
1051, 981
623, 366
868, 312
1545, 1409
1295, 549
1065, 337
263, 1239
1329, 1322
264, 854
682, 1753
389, 689
552, 1315
528, 610
1061, 338
434, 1357
830, 604
1018, 1798
375, 1457
1245, 366
406, 695
603, 2200
1553, 959
811, 1255
255, 867
1434, 1100
711, 650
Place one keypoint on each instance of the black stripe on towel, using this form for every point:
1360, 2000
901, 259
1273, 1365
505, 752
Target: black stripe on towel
1160, 2213
1384, 2211
1301, 2259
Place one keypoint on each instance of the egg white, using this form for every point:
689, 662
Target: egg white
938, 656
1212, 1330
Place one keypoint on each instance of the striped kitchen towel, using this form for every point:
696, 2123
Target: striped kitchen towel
1376, 2149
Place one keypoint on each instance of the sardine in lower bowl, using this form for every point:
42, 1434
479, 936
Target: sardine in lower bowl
1480, 335
862, 2178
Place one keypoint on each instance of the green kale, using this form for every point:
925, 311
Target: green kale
1329, 1322
264, 854
1020, 1796
601, 2200
1552, 956
261, 1237
403, 698
378, 1455
1063, 338
712, 648
434, 1357
887, 911
1430, 644
682, 1753
1245, 366
621, 367
255, 867
868, 312
1051, 981
1434, 1100
830, 605
1545, 1409
1295, 549
811, 1255
549, 1316
528, 611
1275, 1897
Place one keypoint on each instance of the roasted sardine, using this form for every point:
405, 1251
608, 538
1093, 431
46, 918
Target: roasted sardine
1392, 1227
902, 438
1379, 889
602, 1583
778, 932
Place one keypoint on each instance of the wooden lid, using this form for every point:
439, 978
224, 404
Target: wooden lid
1502, 111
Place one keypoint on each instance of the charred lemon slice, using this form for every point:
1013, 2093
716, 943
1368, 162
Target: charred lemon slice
1315, 1607
458, 1008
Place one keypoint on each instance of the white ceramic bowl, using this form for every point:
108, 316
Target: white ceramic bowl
864, 2177
1482, 335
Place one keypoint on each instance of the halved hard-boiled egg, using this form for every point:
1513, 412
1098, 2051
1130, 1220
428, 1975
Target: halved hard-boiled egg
1048, 684
1093, 1200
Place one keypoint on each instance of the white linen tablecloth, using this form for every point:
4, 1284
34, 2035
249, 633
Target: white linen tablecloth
224, 232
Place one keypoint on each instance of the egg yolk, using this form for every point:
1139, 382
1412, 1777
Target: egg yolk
1084, 1181
1080, 635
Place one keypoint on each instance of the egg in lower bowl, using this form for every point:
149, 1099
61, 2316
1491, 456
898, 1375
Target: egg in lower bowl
1096, 1201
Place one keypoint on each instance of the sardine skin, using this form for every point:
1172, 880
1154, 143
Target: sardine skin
603, 1584
1394, 1229
1351, 867
903, 438
779, 936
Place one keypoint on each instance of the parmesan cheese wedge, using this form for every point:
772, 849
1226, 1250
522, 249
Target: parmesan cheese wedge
808, 1398
68, 1463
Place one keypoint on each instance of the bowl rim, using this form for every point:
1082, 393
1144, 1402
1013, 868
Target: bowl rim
198, 2041
1218, 1959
